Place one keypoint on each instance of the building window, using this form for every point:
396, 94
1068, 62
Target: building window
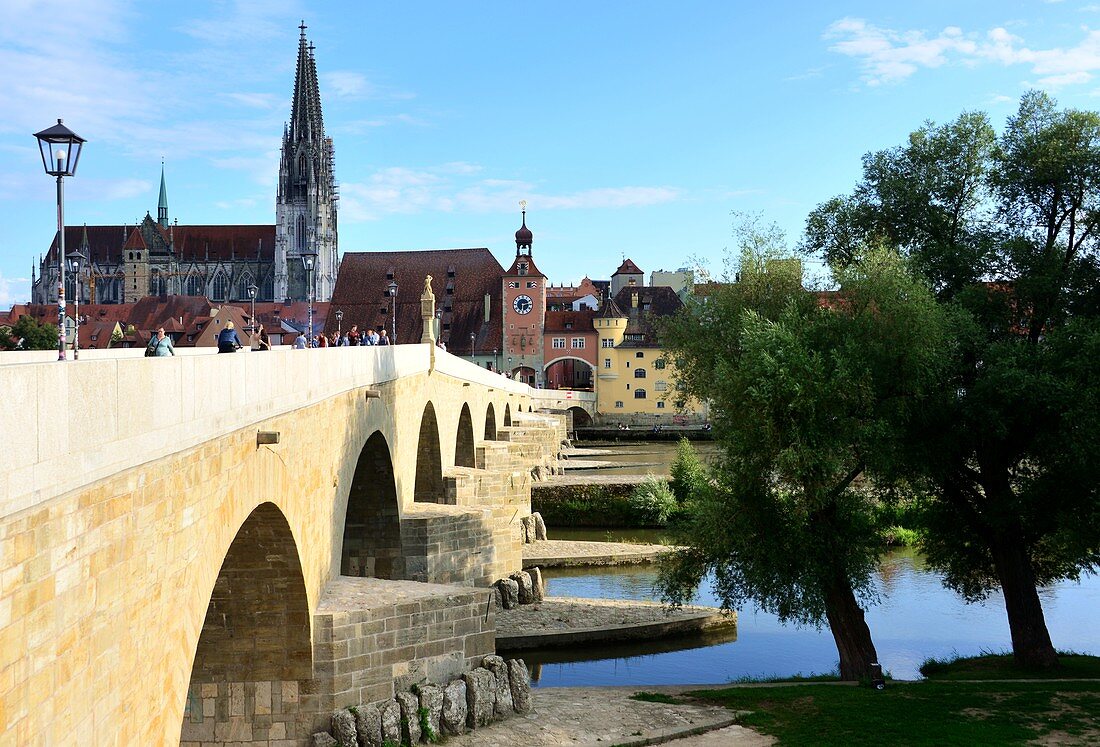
300, 231
194, 285
531, 283
639, 354
660, 404
578, 343
607, 363
559, 343
221, 286
607, 342
569, 325
639, 373
639, 394
618, 403
660, 386
659, 364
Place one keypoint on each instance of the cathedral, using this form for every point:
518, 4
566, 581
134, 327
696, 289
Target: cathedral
124, 263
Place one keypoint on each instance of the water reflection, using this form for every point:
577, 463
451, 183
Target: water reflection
916, 618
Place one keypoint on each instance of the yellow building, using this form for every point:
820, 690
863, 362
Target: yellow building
633, 378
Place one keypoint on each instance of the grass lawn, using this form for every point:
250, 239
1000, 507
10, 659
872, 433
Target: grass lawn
1002, 667
919, 713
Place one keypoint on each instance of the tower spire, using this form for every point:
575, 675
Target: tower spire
162, 204
524, 237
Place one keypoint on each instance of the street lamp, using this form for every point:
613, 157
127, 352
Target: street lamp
339, 326
60, 148
309, 258
76, 264
252, 289
496, 363
392, 288
473, 336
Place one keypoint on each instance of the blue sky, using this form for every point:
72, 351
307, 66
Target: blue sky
631, 128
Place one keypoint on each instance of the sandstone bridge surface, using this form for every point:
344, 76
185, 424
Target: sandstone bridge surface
167, 576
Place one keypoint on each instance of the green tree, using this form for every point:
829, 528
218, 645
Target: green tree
35, 335
688, 474
809, 395
1006, 231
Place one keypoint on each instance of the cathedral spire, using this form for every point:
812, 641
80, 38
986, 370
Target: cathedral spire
162, 205
305, 115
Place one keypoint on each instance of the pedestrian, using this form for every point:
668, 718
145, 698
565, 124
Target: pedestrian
228, 341
265, 341
372, 337
160, 346
300, 341
353, 335
322, 341
382, 339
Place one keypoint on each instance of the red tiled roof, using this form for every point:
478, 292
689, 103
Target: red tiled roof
361, 294
628, 268
106, 243
581, 321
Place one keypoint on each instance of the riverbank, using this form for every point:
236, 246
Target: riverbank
569, 553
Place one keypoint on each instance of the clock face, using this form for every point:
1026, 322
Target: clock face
523, 304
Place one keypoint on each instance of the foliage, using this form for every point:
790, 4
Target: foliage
918, 713
1003, 666
36, 335
688, 473
428, 733
653, 502
606, 505
1007, 230
648, 697
808, 394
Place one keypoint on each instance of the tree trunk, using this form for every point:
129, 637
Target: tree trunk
1031, 646
850, 631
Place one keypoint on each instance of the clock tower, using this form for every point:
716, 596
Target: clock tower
524, 294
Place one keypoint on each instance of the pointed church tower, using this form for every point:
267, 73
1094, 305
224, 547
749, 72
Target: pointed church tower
162, 205
305, 206
524, 292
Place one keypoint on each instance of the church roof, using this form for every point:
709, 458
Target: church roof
106, 243
628, 268
470, 274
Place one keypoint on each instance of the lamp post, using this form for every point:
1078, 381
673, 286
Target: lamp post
309, 258
252, 297
473, 336
339, 326
76, 264
60, 148
392, 288
496, 363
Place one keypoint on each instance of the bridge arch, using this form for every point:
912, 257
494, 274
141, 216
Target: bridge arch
428, 487
372, 521
256, 632
580, 416
464, 438
507, 415
568, 372
490, 423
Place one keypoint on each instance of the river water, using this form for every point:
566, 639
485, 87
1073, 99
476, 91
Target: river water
916, 618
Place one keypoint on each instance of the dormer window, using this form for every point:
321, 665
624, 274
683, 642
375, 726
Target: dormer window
522, 268
450, 272
389, 275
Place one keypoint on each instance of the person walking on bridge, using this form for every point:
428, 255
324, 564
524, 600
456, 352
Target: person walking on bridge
160, 346
228, 341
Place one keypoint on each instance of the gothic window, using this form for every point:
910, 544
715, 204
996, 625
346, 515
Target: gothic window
267, 290
221, 287
156, 284
242, 287
301, 233
194, 286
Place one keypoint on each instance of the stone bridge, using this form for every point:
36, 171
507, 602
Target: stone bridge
578, 405
224, 548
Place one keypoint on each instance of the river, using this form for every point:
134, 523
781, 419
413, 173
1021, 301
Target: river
916, 618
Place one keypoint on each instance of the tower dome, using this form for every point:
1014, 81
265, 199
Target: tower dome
524, 237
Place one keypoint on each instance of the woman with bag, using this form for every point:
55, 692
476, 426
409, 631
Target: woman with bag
160, 346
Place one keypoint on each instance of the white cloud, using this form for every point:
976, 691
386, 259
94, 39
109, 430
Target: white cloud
14, 290
345, 84
452, 188
889, 55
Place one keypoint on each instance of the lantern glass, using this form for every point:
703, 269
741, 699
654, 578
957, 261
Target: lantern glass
392, 287
252, 291
309, 258
60, 149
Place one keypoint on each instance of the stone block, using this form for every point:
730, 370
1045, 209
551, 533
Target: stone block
343, 728
538, 588
453, 716
323, 739
431, 700
540, 526
519, 681
390, 714
480, 697
523, 579
509, 592
410, 719
502, 706
527, 528
368, 726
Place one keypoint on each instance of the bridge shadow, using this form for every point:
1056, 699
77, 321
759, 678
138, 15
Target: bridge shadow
490, 423
372, 524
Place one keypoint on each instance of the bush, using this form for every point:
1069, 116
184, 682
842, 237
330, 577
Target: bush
653, 502
688, 472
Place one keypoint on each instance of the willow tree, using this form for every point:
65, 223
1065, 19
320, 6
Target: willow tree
809, 394
1007, 231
